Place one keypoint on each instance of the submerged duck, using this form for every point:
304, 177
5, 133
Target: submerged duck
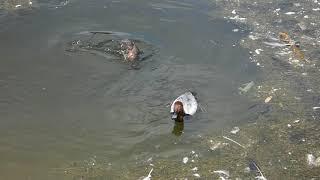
129, 50
183, 107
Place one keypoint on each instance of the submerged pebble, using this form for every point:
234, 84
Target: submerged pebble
235, 130
223, 174
268, 99
185, 160
311, 159
196, 175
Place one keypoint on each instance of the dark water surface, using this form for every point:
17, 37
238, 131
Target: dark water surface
57, 107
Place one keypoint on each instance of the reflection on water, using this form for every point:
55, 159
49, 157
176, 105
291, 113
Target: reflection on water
178, 128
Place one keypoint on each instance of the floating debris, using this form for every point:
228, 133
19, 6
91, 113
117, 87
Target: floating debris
275, 44
247, 87
222, 174
290, 13
196, 175
284, 37
258, 51
235, 30
315, 108
235, 130
295, 46
297, 53
194, 169
252, 37
268, 99
254, 167
233, 141
185, 160
19, 5
238, 18
260, 178
149, 175
311, 160
215, 146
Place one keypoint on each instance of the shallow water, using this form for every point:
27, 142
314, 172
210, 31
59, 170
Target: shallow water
58, 107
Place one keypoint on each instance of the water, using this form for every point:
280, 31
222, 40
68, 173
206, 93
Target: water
81, 110
58, 106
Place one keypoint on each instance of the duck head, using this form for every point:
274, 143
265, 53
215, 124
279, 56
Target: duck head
178, 112
130, 50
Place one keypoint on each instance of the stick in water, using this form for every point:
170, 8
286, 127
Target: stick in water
149, 175
234, 141
262, 177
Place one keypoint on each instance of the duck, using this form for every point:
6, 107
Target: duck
183, 107
129, 50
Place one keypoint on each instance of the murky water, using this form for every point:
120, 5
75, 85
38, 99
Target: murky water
85, 114
58, 107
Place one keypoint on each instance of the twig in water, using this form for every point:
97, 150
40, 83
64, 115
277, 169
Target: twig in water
234, 141
261, 177
149, 175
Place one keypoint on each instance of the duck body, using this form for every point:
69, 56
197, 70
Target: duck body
185, 105
129, 49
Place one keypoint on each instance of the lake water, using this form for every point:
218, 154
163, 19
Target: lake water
58, 108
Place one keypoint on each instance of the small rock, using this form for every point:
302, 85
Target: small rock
196, 175
194, 169
268, 99
235, 130
247, 170
311, 159
185, 160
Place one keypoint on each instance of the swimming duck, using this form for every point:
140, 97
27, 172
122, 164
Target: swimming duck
184, 107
